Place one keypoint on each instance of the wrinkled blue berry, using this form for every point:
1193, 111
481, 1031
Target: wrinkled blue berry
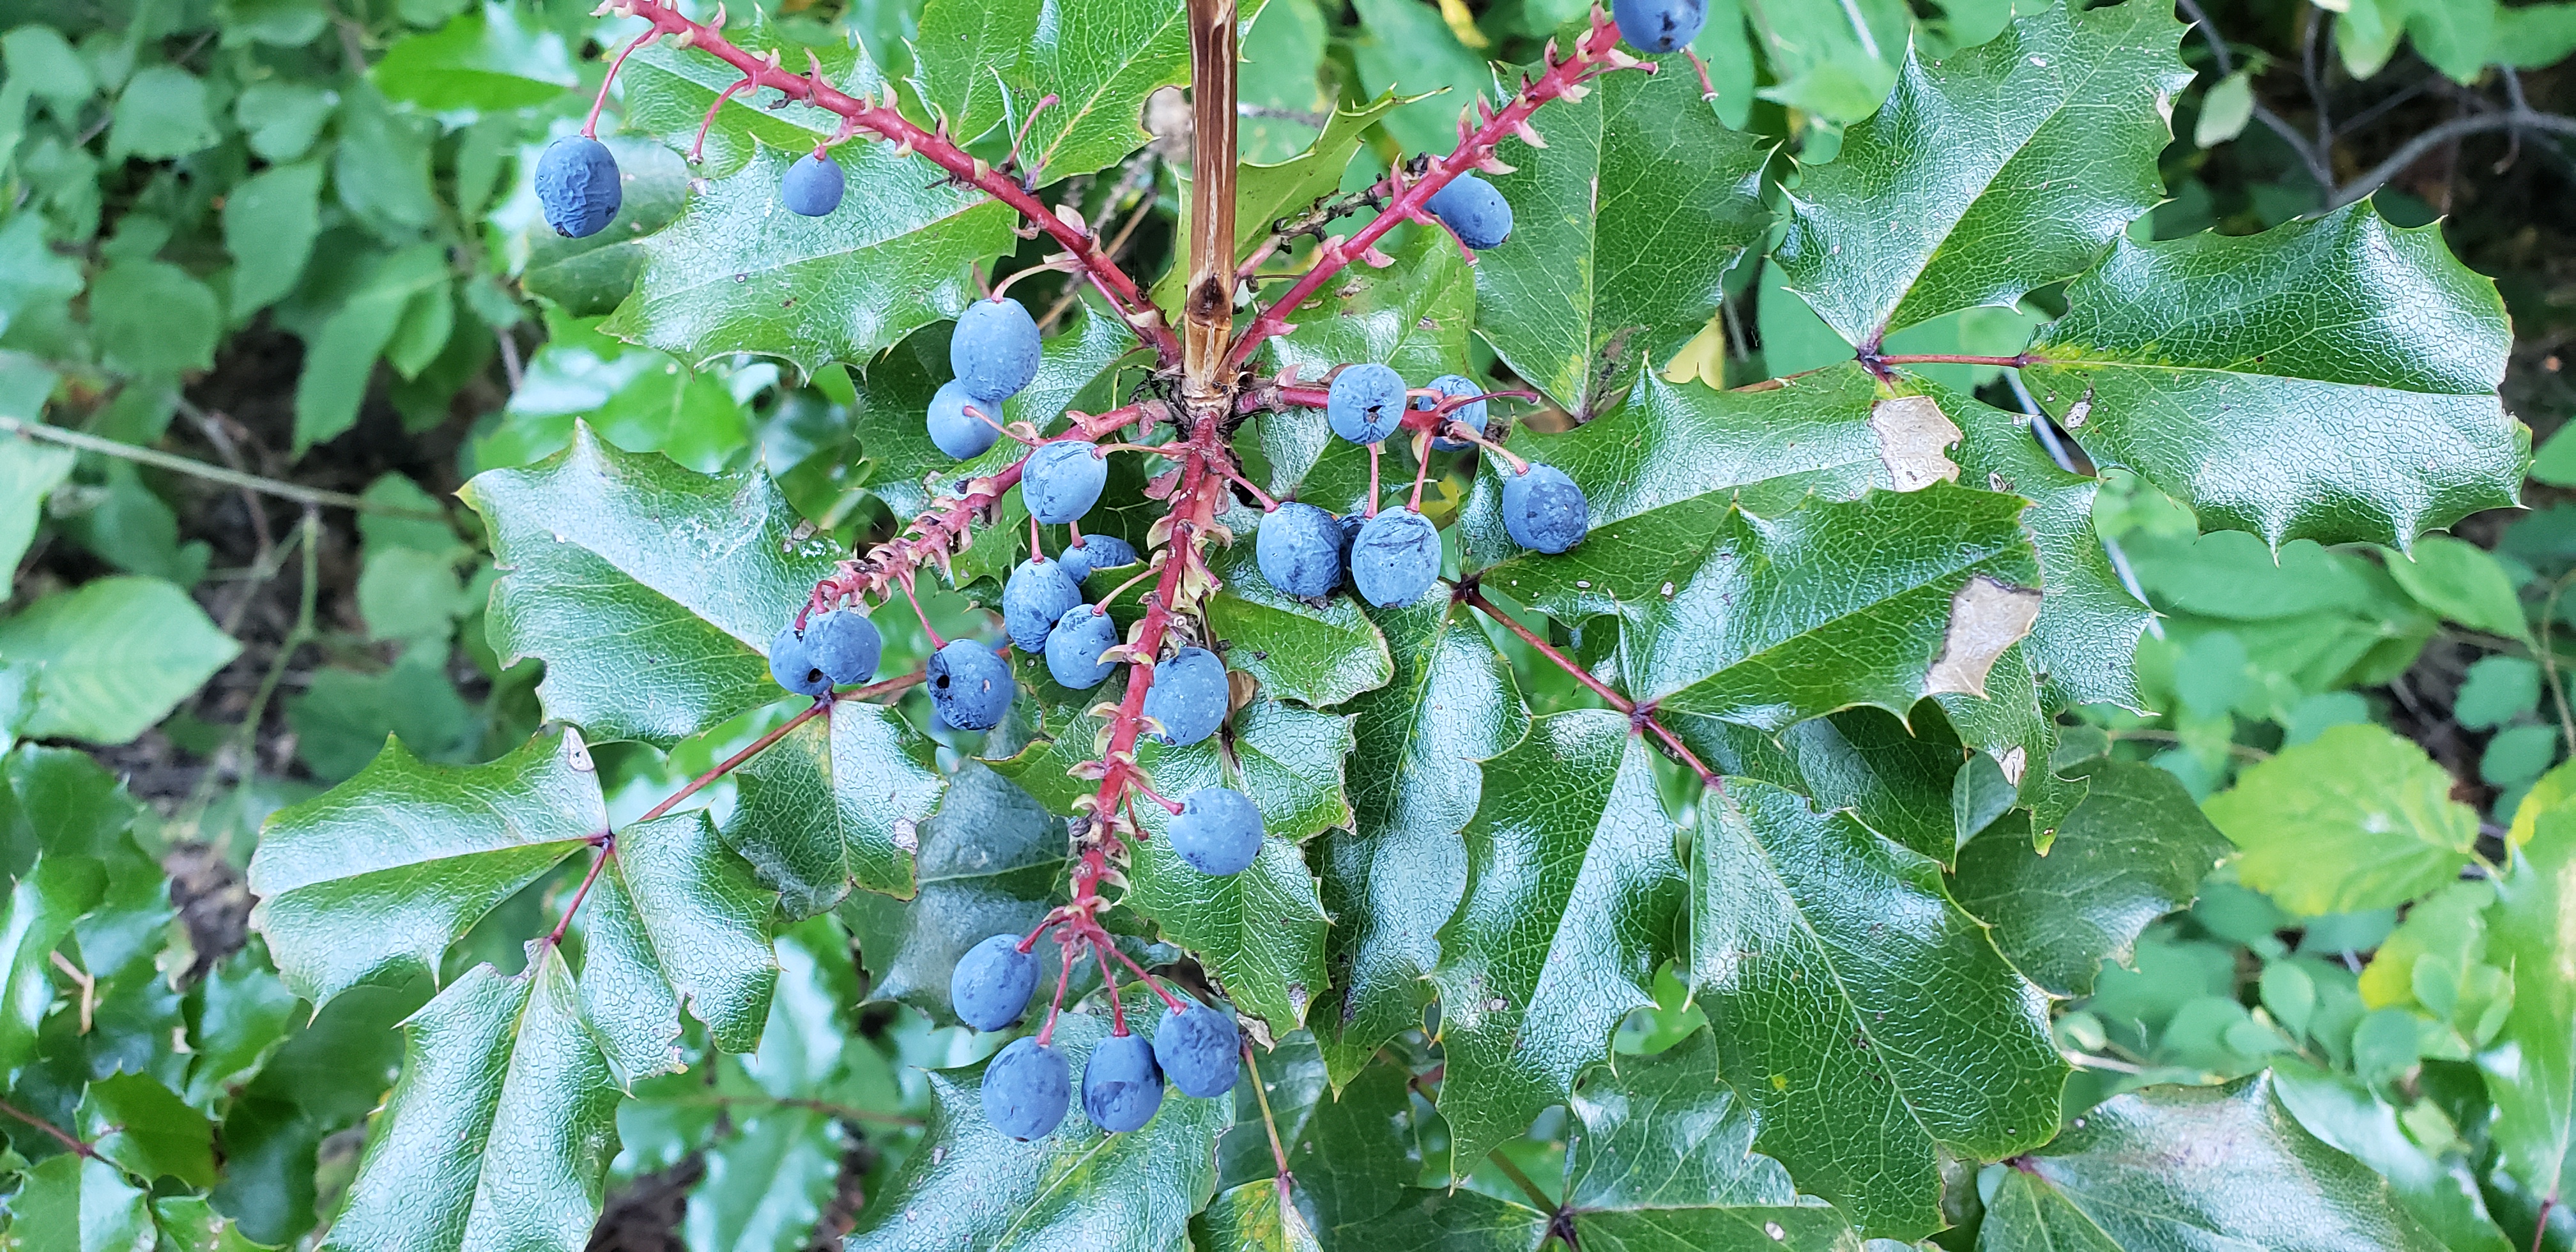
1200, 1049
812, 187
792, 664
1396, 558
1472, 208
1365, 402
957, 432
1218, 831
1299, 549
1095, 552
1543, 510
1037, 594
1026, 1089
1472, 414
1348, 527
969, 686
995, 349
1073, 648
578, 186
845, 645
1189, 696
992, 983
1063, 480
1659, 25
1121, 1084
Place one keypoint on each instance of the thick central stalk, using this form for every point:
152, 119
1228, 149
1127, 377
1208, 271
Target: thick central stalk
1207, 310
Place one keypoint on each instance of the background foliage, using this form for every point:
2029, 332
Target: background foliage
297, 239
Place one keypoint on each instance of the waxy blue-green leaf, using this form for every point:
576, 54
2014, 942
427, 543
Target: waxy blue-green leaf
1665, 1163
650, 591
1573, 888
498, 1133
1316, 655
2133, 851
1866, 1018
675, 917
2192, 1167
377, 876
837, 804
1260, 931
2223, 368
1995, 170
739, 273
969, 1186
1394, 878
992, 861
2354, 819
1623, 228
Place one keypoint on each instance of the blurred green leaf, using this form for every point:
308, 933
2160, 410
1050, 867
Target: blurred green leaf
2462, 582
485, 60
113, 656
2357, 819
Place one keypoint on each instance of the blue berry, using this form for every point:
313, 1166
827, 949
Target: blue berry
812, 187
1365, 402
1121, 1084
1348, 525
1200, 1050
1073, 648
1543, 510
1478, 213
1189, 696
1026, 1089
1659, 25
578, 186
845, 645
1472, 415
1396, 558
1037, 594
1093, 552
957, 432
992, 983
995, 349
792, 664
1299, 549
969, 686
1218, 831
1063, 480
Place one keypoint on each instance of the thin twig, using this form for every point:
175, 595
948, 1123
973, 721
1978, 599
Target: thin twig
1529, 1188
211, 473
58, 1135
826, 1107
1261, 1094
2422, 145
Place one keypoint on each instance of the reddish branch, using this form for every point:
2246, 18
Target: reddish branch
863, 114
1596, 53
53, 1132
1641, 717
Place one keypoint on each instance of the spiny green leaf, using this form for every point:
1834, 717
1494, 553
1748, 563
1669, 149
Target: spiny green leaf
738, 273
1665, 1163
1252, 1218
1266, 194
2135, 850
2354, 819
837, 804
1572, 892
1261, 931
674, 917
1100, 59
964, 50
499, 1131
1393, 880
1998, 169
2192, 1166
112, 656
144, 1127
2439, 1191
968, 1185
43, 904
1868, 1019
1349, 1151
2218, 366
1623, 228
1449, 1221
377, 876
667, 89
71, 1203
649, 590
1317, 656
992, 861
2532, 1076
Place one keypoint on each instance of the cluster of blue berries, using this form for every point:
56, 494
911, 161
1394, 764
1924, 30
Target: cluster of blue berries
836, 649
1393, 558
1028, 1085
994, 353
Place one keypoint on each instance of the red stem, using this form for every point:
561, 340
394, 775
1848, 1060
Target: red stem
2016, 361
70, 1144
1055, 1008
1596, 53
590, 125
1170, 1001
1640, 716
607, 849
1109, 979
886, 122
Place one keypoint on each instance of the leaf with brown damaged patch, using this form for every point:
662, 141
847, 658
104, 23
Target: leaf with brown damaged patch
1913, 434
1987, 615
